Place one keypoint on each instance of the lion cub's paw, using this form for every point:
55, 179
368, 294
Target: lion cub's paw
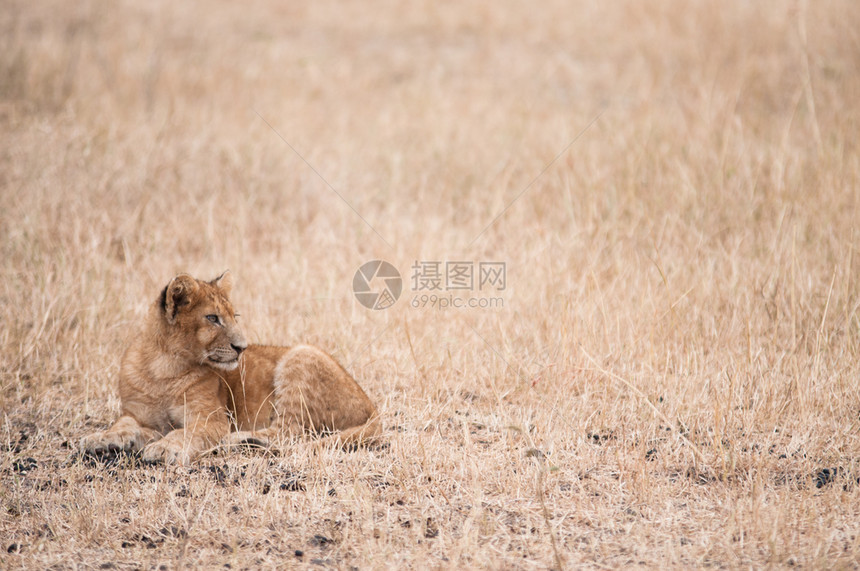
166, 451
111, 441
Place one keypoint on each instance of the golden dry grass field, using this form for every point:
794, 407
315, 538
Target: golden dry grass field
670, 377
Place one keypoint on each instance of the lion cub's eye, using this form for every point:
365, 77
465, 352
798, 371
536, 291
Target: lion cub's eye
213, 319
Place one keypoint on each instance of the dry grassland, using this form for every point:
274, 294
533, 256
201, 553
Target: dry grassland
673, 379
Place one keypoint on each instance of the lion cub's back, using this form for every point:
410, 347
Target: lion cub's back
258, 364
251, 386
265, 355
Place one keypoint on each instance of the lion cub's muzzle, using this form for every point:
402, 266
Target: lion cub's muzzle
227, 357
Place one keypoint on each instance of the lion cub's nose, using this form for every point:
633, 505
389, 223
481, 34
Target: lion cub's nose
239, 348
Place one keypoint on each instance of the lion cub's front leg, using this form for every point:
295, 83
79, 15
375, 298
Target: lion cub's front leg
126, 435
177, 447
181, 446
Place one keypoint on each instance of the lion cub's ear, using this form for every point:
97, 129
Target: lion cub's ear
224, 282
177, 294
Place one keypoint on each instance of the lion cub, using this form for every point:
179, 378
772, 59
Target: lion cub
190, 381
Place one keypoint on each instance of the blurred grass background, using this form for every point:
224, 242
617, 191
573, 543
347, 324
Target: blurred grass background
680, 331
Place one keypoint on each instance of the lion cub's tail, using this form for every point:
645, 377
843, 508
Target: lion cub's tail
367, 434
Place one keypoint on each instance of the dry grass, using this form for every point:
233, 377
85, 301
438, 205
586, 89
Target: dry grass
677, 361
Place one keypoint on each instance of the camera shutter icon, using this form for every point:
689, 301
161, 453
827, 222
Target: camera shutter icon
377, 285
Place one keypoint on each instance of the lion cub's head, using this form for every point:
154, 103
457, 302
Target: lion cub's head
200, 322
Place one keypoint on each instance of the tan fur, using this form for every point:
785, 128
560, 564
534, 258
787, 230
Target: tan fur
188, 384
